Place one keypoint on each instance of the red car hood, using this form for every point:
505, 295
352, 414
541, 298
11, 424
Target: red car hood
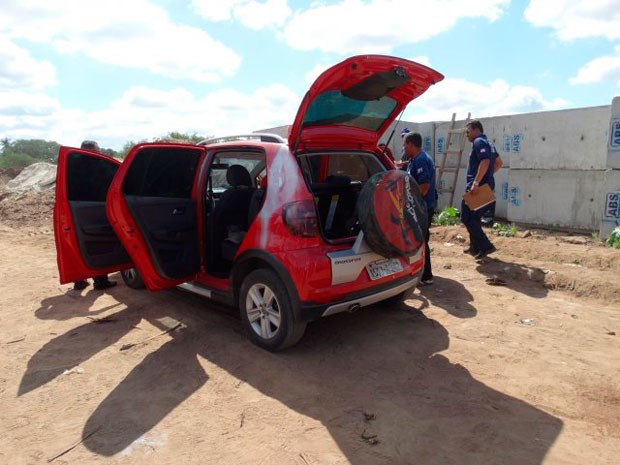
354, 102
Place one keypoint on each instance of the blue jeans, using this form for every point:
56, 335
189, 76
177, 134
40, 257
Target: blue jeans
478, 240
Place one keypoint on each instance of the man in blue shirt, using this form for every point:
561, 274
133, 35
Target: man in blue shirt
484, 161
422, 169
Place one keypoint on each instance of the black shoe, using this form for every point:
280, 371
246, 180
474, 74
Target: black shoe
470, 251
426, 281
100, 286
480, 255
80, 285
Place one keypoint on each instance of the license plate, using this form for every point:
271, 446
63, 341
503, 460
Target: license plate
382, 268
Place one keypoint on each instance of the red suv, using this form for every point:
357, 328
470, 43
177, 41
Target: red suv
287, 233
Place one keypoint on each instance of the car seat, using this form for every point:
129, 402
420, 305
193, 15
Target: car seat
230, 216
337, 207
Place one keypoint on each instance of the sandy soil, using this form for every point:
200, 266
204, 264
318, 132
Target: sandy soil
465, 372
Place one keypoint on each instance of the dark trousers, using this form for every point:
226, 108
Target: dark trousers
100, 279
478, 240
428, 270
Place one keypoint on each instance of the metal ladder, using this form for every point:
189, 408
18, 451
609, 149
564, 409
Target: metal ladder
452, 152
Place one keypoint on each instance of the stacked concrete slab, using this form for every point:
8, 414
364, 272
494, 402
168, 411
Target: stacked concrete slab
561, 168
610, 215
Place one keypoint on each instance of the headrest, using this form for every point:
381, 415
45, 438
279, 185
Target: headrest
238, 175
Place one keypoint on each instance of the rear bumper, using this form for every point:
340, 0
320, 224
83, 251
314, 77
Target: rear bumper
353, 301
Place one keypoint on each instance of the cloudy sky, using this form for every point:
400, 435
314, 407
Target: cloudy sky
130, 70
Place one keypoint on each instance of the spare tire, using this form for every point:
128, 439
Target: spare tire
392, 214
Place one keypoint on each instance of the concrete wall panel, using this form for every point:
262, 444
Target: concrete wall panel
613, 146
610, 203
566, 139
560, 198
502, 189
554, 164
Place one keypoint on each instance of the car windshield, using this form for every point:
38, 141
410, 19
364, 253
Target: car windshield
333, 107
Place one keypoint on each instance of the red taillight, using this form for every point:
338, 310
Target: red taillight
300, 218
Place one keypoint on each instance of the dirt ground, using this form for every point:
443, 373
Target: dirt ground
511, 361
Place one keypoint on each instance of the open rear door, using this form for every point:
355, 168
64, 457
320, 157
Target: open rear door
354, 102
86, 244
154, 208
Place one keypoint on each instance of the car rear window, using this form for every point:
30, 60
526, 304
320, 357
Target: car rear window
335, 108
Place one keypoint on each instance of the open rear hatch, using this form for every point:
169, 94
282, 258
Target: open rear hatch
353, 103
334, 136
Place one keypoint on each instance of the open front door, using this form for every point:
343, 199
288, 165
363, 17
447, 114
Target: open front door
86, 244
154, 208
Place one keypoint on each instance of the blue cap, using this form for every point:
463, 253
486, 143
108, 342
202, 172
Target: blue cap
404, 132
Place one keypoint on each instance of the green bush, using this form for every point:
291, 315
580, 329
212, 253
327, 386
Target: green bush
614, 238
447, 217
18, 160
505, 230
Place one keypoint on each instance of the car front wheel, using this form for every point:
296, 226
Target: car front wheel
267, 312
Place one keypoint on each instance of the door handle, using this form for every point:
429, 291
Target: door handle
178, 211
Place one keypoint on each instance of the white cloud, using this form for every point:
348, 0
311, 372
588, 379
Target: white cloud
377, 26
462, 96
126, 33
145, 113
423, 60
220, 10
576, 19
252, 14
27, 114
599, 69
20, 70
19, 103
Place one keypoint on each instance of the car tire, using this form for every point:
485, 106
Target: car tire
392, 214
132, 278
267, 312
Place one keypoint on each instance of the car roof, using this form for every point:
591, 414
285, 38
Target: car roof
256, 137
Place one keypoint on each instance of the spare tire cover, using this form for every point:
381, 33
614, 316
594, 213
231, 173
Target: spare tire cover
392, 214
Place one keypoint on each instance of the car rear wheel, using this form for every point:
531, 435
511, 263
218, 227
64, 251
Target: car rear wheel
132, 278
267, 312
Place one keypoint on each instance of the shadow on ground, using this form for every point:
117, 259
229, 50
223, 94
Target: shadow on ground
526, 280
375, 380
450, 295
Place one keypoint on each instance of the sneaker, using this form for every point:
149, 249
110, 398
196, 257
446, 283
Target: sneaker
470, 251
480, 255
100, 286
80, 285
426, 281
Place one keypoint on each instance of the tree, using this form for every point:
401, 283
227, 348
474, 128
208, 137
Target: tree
37, 149
180, 137
126, 148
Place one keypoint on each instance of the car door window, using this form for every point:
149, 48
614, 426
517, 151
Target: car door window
162, 172
83, 171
